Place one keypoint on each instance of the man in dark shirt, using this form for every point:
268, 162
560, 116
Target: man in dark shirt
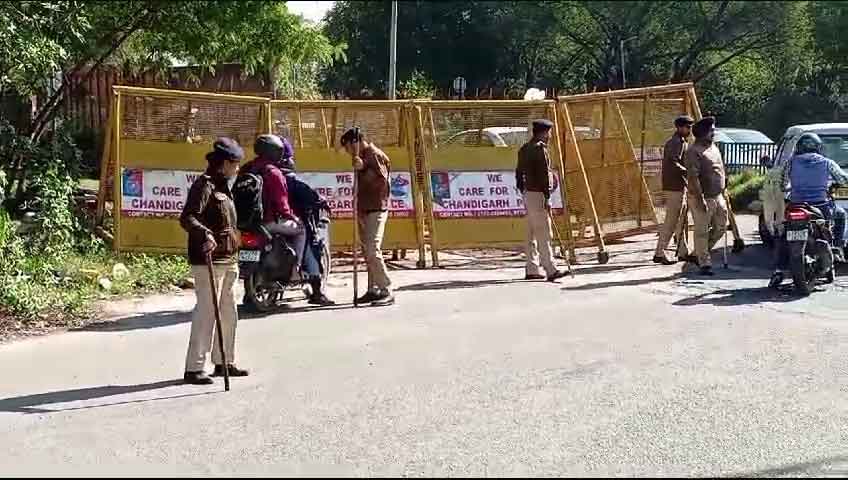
674, 185
372, 168
533, 178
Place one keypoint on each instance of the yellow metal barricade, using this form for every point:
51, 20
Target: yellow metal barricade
470, 151
160, 139
314, 128
453, 162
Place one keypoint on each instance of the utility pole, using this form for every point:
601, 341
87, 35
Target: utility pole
621, 51
393, 53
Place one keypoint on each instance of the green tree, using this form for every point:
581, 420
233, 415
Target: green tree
42, 40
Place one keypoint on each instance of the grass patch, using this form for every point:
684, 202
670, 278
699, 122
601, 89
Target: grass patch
43, 294
744, 188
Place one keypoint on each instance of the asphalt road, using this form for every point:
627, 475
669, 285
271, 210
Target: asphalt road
628, 369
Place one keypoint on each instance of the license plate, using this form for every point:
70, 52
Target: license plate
796, 235
249, 255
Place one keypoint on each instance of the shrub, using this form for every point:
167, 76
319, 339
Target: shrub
744, 188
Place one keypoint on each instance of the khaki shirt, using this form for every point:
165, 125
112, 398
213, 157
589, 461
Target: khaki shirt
533, 172
704, 168
673, 168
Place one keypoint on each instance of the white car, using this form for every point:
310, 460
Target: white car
835, 146
501, 136
743, 147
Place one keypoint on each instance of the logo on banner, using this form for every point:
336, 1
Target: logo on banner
133, 183
400, 186
441, 187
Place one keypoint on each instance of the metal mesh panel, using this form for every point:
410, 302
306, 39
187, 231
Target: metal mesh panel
322, 126
659, 115
621, 143
188, 120
482, 126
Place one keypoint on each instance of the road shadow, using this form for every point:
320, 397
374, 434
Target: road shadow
816, 468
139, 322
740, 296
30, 403
623, 283
456, 284
286, 308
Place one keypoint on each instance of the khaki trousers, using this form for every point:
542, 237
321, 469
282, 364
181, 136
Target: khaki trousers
673, 206
538, 235
774, 207
372, 226
710, 226
203, 317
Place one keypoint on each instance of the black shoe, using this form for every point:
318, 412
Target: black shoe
707, 271
556, 276
367, 298
776, 279
197, 378
321, 300
383, 299
663, 261
233, 371
534, 276
688, 259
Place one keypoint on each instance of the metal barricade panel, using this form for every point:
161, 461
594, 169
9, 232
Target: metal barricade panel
161, 142
314, 128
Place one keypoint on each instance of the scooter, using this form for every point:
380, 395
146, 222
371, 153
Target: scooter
810, 246
267, 265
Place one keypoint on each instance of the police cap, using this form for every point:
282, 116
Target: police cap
702, 127
683, 120
542, 125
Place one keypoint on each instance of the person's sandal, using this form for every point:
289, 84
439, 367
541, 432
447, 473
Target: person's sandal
233, 371
321, 300
197, 378
663, 261
383, 299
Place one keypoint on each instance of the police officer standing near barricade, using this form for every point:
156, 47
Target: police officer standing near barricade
674, 185
533, 178
372, 168
706, 179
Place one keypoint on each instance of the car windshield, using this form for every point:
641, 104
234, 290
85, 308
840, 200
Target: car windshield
836, 148
747, 136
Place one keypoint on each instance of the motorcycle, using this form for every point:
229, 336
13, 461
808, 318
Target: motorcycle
809, 241
267, 265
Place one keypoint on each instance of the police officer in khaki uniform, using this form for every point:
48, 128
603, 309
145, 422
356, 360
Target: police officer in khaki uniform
533, 178
674, 185
706, 181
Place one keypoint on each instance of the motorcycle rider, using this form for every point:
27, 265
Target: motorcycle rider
807, 176
278, 216
306, 203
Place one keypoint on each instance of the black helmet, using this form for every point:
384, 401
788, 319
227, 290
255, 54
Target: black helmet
269, 145
808, 143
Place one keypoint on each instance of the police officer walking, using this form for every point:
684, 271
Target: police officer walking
706, 181
674, 185
533, 178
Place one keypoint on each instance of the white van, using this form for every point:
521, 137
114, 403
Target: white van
835, 139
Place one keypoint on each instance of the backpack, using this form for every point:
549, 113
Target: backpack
247, 196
